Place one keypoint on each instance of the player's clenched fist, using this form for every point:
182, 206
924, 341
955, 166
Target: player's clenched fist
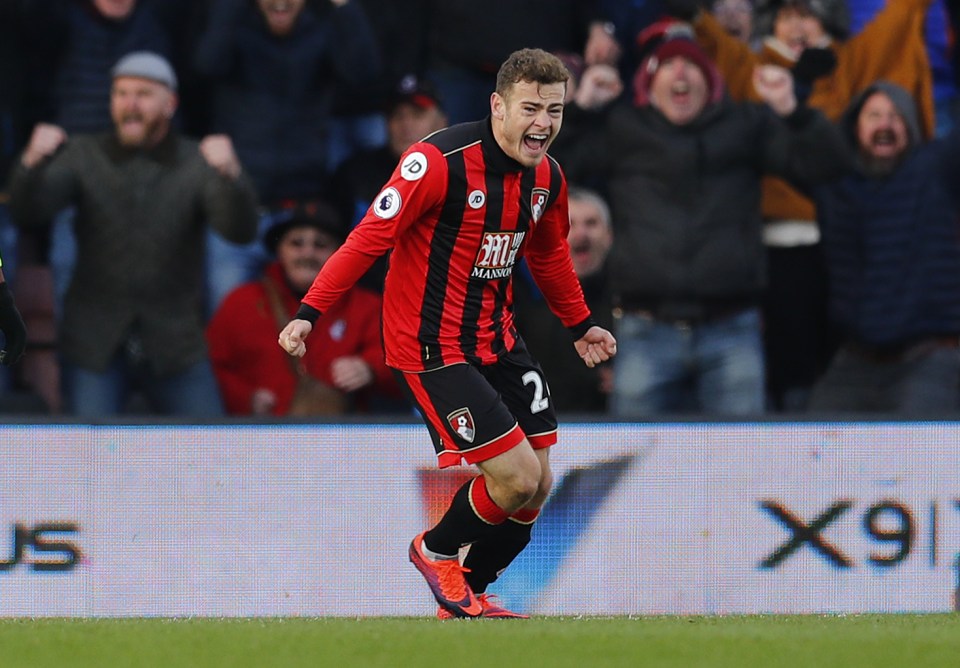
596, 346
293, 336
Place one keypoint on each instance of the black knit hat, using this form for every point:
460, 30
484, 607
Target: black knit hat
315, 214
414, 91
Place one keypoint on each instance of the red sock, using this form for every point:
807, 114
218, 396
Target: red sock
483, 505
526, 515
472, 515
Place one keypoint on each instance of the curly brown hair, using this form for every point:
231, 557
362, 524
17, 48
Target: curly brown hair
533, 65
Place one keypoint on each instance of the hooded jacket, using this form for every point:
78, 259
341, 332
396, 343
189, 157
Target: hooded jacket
891, 242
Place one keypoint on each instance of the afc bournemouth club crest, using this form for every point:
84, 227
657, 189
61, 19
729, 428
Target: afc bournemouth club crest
461, 421
538, 202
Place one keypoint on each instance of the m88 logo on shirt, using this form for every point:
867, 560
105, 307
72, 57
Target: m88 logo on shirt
498, 254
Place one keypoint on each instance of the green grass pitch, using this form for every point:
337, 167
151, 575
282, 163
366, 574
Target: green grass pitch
844, 641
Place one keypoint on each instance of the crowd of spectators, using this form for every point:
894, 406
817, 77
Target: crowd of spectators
298, 111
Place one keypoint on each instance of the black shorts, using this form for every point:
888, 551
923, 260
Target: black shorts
475, 413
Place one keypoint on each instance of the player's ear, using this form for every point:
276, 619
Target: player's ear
497, 105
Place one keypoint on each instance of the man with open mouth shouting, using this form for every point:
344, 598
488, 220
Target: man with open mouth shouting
460, 210
684, 165
890, 241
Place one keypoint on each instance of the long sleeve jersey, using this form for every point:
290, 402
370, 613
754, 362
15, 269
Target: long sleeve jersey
458, 214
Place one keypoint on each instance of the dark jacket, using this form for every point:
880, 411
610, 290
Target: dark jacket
892, 242
140, 228
273, 96
686, 199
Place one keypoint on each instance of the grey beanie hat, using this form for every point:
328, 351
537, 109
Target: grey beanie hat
146, 65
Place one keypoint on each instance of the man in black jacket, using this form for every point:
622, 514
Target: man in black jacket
684, 166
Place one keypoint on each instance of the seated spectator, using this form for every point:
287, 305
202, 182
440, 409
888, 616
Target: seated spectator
345, 373
684, 165
272, 66
574, 387
890, 236
144, 196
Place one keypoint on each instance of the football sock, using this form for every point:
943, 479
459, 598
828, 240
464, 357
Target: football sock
471, 516
489, 557
434, 556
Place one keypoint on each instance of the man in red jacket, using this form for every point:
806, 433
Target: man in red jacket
463, 206
255, 377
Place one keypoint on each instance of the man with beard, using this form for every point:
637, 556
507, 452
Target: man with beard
893, 256
144, 196
258, 378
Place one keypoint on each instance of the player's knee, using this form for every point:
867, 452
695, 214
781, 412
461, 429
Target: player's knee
517, 489
520, 490
543, 489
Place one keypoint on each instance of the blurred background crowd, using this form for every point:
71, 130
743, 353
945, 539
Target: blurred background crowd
157, 236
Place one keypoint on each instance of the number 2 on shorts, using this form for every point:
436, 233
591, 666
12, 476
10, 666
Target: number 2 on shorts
539, 402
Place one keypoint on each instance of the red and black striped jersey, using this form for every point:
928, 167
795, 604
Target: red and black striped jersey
458, 214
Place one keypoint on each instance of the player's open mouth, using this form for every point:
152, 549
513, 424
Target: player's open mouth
535, 142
